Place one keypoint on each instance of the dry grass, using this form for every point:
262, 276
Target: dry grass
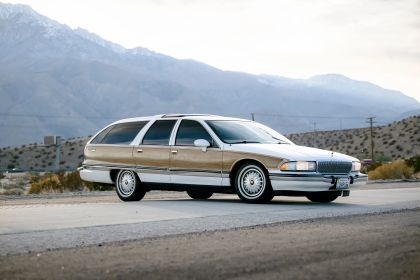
395, 170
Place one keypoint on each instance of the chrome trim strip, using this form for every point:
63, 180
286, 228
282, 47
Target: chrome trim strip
159, 170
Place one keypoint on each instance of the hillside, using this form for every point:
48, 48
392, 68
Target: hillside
55, 80
397, 140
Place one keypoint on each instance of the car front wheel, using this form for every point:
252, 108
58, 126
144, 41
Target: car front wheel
252, 184
322, 197
128, 186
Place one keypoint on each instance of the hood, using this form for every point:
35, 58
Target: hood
290, 152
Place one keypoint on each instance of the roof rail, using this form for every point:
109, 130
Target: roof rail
183, 115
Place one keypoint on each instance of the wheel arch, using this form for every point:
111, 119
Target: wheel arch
241, 162
113, 174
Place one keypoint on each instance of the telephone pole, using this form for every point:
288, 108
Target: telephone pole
253, 116
314, 138
371, 122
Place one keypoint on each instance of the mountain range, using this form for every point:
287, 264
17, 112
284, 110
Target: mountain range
55, 80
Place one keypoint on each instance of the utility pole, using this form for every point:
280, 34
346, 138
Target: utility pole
314, 138
57, 153
341, 123
371, 122
253, 116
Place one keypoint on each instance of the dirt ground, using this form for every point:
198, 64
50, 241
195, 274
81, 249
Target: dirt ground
380, 246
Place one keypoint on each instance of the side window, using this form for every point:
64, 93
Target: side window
189, 131
100, 136
123, 133
159, 133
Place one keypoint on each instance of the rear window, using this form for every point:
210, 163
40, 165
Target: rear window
159, 133
123, 133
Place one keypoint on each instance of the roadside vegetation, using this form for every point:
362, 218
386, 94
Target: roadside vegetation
398, 169
62, 182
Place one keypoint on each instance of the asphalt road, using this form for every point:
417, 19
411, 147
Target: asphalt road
37, 227
370, 246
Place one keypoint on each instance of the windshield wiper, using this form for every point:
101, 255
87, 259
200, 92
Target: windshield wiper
244, 142
280, 141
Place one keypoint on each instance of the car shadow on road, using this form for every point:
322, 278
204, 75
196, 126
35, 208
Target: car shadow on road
273, 202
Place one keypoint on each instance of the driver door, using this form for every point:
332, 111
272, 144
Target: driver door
191, 165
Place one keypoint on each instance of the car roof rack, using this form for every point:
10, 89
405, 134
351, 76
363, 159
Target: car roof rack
183, 115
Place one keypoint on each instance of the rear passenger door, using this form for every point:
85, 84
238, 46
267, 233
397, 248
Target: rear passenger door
152, 155
111, 148
191, 165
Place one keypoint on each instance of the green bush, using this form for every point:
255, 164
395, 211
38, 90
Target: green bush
414, 162
395, 170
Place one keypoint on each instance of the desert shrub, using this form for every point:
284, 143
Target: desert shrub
395, 170
371, 166
93, 186
71, 181
46, 184
13, 191
414, 162
2, 175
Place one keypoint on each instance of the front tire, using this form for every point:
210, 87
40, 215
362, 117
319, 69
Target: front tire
322, 197
199, 194
252, 184
128, 186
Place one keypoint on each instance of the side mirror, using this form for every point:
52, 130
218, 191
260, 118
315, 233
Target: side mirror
204, 144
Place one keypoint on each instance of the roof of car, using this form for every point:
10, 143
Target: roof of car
177, 116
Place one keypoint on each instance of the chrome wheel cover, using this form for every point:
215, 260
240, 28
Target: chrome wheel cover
251, 182
126, 183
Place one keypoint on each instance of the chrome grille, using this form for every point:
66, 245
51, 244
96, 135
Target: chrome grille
334, 167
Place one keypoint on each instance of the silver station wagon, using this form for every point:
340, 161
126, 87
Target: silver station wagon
206, 154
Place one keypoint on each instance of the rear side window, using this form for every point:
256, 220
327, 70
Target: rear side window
100, 136
159, 133
122, 133
189, 131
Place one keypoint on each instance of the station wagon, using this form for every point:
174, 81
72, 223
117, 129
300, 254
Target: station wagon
206, 154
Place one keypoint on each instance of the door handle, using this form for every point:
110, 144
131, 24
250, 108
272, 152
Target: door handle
174, 152
139, 150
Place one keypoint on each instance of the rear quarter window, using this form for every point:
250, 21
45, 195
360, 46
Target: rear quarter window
123, 133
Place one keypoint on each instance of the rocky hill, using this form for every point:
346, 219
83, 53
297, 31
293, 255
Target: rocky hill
397, 140
55, 80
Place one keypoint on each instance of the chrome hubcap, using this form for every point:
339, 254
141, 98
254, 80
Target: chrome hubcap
126, 183
252, 182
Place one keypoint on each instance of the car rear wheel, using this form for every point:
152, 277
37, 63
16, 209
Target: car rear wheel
322, 197
252, 184
199, 194
128, 186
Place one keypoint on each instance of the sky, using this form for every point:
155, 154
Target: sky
376, 40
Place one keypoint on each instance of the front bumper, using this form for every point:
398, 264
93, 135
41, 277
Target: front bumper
313, 182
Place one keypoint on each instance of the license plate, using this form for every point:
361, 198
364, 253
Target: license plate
342, 183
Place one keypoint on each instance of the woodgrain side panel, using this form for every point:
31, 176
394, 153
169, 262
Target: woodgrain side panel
230, 158
109, 155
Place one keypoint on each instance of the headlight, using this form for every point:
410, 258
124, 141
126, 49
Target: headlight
298, 166
356, 165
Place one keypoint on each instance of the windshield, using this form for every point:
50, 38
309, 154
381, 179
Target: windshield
242, 132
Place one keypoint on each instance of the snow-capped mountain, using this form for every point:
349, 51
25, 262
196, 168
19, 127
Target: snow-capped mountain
56, 80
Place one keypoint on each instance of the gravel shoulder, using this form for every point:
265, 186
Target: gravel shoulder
379, 246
